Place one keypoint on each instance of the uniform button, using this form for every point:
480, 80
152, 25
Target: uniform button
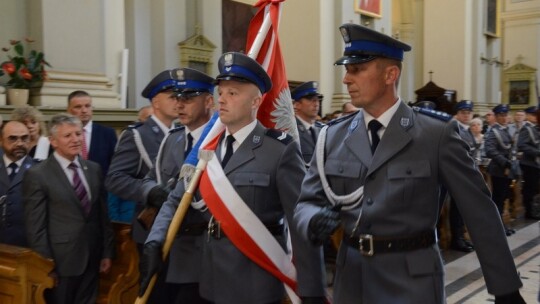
251, 180
371, 176
409, 171
369, 201
340, 169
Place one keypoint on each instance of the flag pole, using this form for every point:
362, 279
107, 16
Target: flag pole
185, 202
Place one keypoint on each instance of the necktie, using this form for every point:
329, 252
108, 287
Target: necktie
374, 126
189, 145
80, 191
13, 172
84, 152
229, 151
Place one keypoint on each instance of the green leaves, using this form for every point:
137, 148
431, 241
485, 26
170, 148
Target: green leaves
24, 71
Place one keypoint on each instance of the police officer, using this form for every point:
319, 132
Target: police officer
137, 149
195, 103
380, 176
462, 119
529, 146
498, 145
14, 141
265, 168
306, 102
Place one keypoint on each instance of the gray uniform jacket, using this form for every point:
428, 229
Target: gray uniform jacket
529, 145
498, 151
416, 155
307, 142
185, 255
57, 227
127, 170
266, 171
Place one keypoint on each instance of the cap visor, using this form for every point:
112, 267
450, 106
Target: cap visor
353, 59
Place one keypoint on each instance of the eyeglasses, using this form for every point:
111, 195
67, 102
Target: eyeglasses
13, 139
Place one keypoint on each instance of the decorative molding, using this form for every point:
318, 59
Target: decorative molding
197, 52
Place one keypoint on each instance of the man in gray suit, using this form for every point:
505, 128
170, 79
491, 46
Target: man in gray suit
195, 104
380, 177
15, 161
306, 102
66, 215
135, 153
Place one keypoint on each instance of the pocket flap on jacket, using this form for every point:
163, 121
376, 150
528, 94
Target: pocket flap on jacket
338, 167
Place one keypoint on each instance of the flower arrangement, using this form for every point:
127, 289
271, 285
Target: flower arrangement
24, 70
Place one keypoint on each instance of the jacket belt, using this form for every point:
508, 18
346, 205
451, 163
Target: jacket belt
370, 245
214, 229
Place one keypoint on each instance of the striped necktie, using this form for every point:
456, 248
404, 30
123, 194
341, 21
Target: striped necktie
79, 188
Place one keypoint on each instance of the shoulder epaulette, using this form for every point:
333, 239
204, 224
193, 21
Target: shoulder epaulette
280, 136
341, 119
178, 128
433, 113
135, 125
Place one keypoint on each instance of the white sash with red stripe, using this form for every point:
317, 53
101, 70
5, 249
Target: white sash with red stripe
243, 228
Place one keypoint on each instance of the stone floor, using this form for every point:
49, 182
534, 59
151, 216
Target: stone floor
464, 281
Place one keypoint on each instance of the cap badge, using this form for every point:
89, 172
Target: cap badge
345, 35
228, 69
180, 74
404, 122
228, 59
315, 84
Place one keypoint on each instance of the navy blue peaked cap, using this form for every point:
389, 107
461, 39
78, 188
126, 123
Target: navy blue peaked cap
163, 81
306, 89
363, 44
465, 105
502, 108
239, 67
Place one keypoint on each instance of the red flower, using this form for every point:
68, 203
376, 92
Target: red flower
25, 74
13, 42
8, 67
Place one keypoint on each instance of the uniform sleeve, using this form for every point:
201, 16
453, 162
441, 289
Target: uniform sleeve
466, 185
122, 179
490, 146
307, 258
525, 143
166, 213
35, 213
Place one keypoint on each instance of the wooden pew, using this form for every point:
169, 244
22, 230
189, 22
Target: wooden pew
24, 275
121, 284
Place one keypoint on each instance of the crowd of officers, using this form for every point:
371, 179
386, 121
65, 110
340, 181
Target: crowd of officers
380, 178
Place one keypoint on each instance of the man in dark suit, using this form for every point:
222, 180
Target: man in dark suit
195, 104
15, 161
380, 175
306, 102
135, 154
65, 214
99, 141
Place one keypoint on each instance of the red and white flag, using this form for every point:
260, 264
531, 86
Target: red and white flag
240, 224
276, 110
